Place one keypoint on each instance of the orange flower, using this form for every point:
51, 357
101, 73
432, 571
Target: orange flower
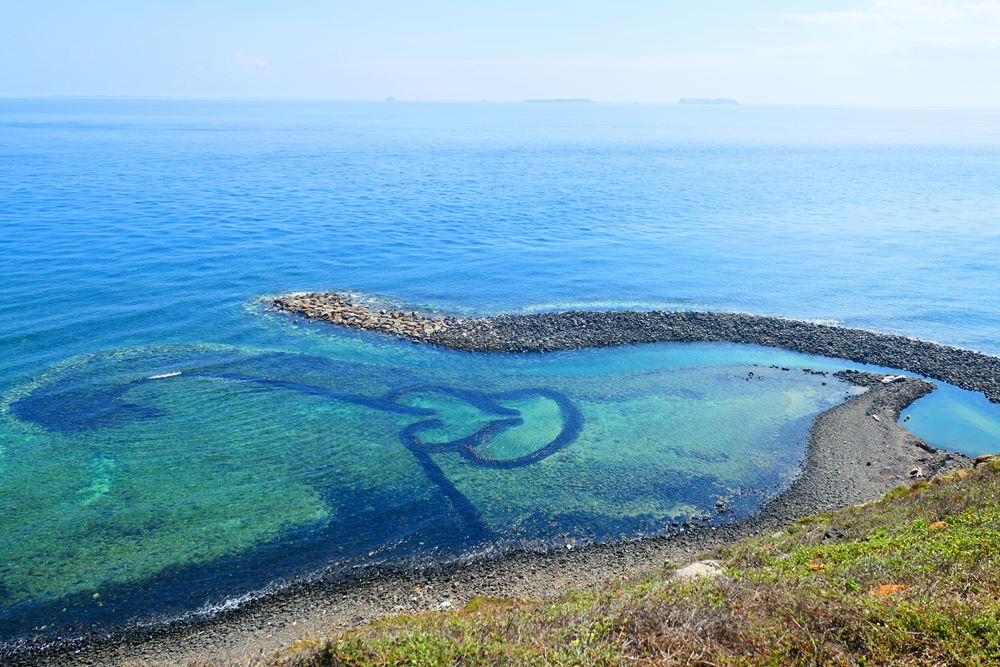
937, 524
815, 567
887, 589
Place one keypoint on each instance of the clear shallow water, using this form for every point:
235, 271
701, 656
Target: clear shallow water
956, 419
135, 234
121, 495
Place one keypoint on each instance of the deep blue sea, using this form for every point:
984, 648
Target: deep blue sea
137, 235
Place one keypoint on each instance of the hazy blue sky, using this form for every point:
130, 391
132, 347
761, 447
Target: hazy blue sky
844, 52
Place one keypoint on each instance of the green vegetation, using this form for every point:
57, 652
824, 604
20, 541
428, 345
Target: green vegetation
913, 578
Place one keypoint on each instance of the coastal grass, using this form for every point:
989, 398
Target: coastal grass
910, 579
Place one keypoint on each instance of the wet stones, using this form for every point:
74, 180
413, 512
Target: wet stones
341, 309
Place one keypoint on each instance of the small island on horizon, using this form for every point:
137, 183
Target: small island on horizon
562, 100
711, 101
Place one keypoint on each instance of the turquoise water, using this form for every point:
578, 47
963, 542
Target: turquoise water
135, 237
124, 481
956, 419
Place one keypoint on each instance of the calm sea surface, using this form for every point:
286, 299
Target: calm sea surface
135, 237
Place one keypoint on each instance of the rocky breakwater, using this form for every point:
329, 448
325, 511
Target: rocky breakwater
548, 332
343, 309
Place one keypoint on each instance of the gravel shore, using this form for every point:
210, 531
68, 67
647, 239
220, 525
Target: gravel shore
856, 452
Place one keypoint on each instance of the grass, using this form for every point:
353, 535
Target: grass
911, 579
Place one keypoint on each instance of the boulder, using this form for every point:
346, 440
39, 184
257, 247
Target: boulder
708, 569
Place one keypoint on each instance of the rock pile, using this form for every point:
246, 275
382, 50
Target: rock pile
340, 308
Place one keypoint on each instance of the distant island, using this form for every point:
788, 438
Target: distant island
715, 101
564, 100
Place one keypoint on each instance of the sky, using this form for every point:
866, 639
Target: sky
884, 53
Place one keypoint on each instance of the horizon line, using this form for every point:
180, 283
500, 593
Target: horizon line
536, 101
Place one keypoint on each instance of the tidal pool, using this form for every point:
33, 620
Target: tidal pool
160, 481
954, 418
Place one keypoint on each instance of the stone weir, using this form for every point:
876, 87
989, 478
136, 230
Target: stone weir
547, 332
342, 309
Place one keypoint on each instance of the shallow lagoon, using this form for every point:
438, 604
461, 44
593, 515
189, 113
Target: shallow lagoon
127, 487
119, 495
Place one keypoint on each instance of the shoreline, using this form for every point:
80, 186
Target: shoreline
856, 452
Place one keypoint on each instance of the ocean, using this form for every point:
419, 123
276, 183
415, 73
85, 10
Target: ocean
136, 237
